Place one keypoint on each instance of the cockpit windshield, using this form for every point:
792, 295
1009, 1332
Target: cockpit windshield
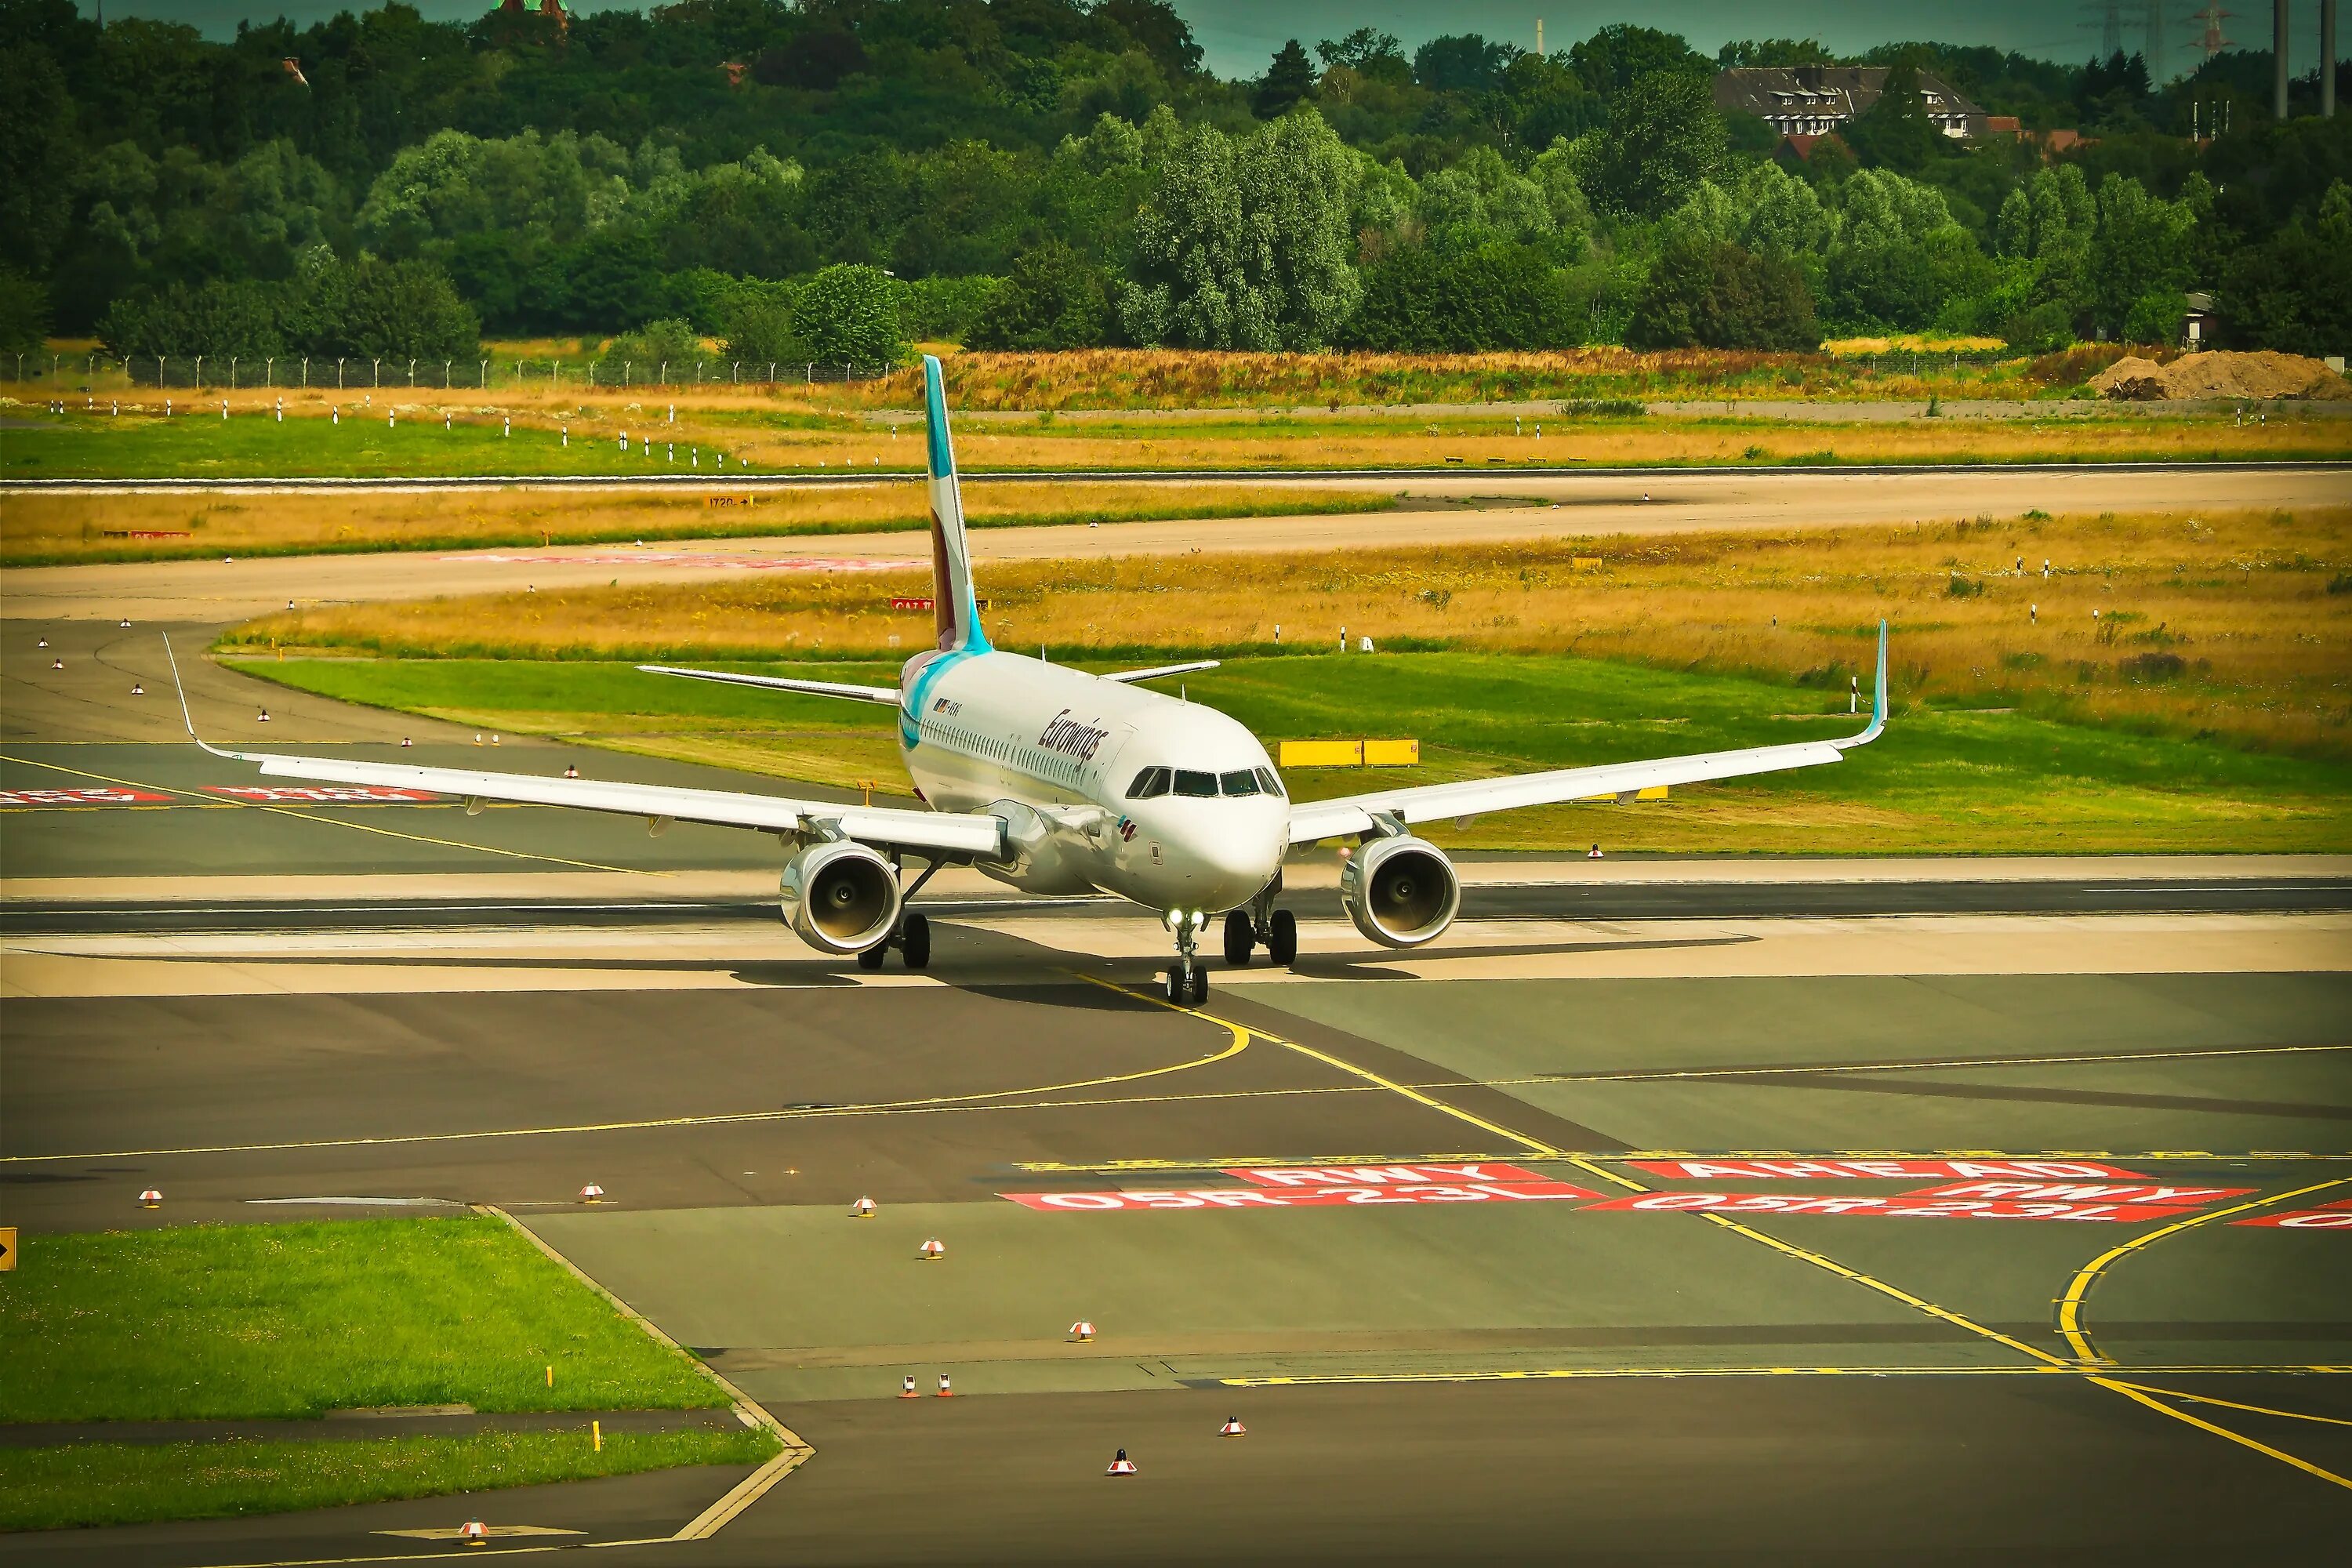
1153, 782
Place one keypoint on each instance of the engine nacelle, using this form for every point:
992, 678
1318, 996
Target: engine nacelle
840, 896
1401, 891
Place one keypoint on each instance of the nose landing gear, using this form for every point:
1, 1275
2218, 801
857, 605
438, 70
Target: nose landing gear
1188, 983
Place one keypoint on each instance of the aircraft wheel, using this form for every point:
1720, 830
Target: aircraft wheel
1239, 937
1200, 989
1282, 938
1180, 985
915, 940
871, 957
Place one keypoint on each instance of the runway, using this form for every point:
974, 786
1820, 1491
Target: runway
1565, 505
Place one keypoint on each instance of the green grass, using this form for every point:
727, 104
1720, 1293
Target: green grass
196, 445
1939, 782
217, 1322
125, 1483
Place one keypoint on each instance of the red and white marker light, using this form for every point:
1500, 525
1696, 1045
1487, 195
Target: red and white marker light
592, 1194
1121, 1466
862, 1209
1081, 1331
150, 1199
945, 1390
907, 1389
934, 1249
1232, 1427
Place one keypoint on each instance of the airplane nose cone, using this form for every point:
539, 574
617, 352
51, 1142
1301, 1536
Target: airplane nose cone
1228, 863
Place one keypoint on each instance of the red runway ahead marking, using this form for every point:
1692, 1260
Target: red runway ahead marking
320, 794
1378, 1175
1784, 1169
1890, 1208
2335, 1216
97, 795
1318, 1197
2085, 1193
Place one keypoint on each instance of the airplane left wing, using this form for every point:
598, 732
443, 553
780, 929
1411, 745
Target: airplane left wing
1313, 820
926, 832
887, 696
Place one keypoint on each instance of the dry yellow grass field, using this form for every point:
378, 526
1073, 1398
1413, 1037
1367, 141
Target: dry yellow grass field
2237, 625
798, 428
96, 527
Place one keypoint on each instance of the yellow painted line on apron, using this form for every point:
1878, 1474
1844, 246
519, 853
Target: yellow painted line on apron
2078, 1290
2281, 1455
1235, 1047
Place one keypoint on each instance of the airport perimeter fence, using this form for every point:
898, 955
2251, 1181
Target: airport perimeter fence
290, 372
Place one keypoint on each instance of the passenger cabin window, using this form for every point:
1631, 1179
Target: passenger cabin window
1241, 781
1201, 785
1150, 784
1267, 781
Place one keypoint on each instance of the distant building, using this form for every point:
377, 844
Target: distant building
2196, 324
1815, 100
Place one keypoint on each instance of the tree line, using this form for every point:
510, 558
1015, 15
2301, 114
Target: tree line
832, 179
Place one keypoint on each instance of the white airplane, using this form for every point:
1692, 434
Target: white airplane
1059, 782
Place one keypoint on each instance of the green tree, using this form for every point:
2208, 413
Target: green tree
24, 312
1368, 52
397, 310
1053, 299
1897, 254
1664, 136
757, 326
1289, 80
37, 154
1710, 293
1896, 133
1503, 296
1245, 245
2141, 246
1622, 54
848, 315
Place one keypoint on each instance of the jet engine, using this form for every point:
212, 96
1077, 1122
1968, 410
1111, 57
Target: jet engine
1401, 891
840, 896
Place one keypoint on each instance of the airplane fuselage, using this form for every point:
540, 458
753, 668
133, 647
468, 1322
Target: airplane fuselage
1103, 785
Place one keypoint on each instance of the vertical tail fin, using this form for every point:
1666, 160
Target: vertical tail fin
955, 608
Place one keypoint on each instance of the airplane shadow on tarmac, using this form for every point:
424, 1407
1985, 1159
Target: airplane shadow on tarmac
991, 962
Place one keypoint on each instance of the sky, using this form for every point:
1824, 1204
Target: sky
1240, 36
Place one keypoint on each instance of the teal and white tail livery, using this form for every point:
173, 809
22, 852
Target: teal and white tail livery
955, 608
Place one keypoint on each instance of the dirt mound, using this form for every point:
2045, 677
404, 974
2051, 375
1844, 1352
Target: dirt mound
2220, 373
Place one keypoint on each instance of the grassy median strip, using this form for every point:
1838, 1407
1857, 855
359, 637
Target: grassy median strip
219, 1323
224, 1322
124, 1483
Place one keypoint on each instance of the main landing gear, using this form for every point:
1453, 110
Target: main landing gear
1259, 922
912, 938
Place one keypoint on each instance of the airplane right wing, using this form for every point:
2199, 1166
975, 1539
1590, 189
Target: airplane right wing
1317, 819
